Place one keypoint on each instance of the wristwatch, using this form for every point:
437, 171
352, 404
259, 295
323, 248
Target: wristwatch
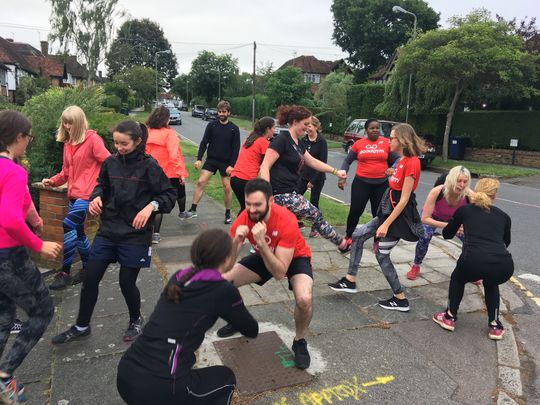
155, 205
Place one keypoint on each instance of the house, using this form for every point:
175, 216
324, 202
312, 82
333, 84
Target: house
314, 70
382, 74
3, 80
17, 65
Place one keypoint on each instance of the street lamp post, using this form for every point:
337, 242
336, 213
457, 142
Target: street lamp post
155, 60
398, 9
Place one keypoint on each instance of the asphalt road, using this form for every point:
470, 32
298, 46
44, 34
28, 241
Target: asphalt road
521, 202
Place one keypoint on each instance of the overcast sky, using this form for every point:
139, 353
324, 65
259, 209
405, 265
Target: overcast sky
281, 28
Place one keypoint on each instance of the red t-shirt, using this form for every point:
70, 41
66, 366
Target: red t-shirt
250, 159
281, 230
407, 166
372, 157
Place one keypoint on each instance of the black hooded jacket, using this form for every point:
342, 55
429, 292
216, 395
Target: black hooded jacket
127, 184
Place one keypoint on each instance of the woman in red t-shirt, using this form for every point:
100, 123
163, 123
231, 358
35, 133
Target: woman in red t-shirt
370, 181
397, 218
251, 156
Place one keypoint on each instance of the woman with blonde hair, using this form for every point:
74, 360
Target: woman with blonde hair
441, 203
485, 256
397, 218
84, 152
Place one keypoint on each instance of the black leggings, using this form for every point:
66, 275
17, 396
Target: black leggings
238, 186
204, 386
90, 290
315, 195
181, 199
492, 274
361, 193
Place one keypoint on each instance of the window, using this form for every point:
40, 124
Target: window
312, 77
3, 77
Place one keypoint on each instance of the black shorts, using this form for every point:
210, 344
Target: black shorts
215, 165
136, 256
255, 263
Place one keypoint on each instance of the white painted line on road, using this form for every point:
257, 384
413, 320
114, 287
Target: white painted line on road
335, 199
186, 138
518, 203
529, 276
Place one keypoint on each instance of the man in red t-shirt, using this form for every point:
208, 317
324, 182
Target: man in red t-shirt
280, 251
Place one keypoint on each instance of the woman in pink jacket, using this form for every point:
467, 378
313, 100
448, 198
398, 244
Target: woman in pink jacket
163, 144
21, 283
84, 152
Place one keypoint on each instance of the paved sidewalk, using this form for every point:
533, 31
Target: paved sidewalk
361, 353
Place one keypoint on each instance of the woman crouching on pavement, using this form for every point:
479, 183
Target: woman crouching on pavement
484, 256
131, 188
158, 367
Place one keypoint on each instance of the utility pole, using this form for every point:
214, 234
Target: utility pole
253, 85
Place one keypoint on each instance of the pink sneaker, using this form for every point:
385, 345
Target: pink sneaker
496, 332
414, 272
445, 323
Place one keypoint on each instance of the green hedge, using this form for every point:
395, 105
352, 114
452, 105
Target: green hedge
363, 98
243, 105
113, 102
103, 123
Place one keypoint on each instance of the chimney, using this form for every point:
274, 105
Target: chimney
9, 39
45, 48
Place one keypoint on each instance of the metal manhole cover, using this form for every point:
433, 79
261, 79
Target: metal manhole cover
261, 364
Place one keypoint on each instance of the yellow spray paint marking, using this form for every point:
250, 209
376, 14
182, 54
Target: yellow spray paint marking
529, 294
347, 389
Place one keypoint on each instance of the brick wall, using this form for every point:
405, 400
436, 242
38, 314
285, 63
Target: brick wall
503, 156
53, 204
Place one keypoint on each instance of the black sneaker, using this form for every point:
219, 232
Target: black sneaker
69, 335
61, 281
395, 304
16, 326
344, 285
79, 277
134, 329
226, 331
301, 354
228, 219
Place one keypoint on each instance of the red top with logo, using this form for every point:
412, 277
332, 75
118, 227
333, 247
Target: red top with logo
372, 157
407, 166
250, 159
281, 230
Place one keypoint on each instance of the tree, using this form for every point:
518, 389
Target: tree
370, 32
240, 86
448, 64
137, 43
88, 24
29, 87
211, 73
332, 92
181, 87
117, 88
141, 80
287, 86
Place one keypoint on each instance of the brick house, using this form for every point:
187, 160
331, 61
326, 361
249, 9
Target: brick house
17, 66
314, 70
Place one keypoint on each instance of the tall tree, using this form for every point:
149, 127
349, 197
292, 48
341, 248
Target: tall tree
137, 43
370, 32
87, 24
141, 80
474, 55
182, 87
211, 74
287, 86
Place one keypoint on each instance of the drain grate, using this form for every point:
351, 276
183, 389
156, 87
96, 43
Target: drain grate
261, 364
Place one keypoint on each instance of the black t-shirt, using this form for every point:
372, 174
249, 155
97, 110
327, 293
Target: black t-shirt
486, 233
222, 141
285, 172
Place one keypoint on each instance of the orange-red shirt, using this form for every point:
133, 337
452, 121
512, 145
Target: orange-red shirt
250, 159
372, 157
281, 230
407, 166
163, 145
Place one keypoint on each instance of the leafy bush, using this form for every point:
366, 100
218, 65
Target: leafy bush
5, 104
103, 123
242, 106
44, 110
29, 87
113, 101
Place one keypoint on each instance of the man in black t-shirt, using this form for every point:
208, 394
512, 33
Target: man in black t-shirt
221, 142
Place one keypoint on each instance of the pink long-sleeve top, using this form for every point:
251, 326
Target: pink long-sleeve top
14, 204
81, 165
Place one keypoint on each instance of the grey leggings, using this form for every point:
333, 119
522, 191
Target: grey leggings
382, 248
21, 284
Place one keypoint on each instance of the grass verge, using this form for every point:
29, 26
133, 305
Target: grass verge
334, 145
486, 169
335, 213
242, 123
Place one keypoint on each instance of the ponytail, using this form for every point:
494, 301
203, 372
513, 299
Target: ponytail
484, 193
260, 127
144, 137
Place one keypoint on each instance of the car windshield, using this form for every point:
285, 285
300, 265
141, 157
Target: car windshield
212, 110
173, 111
199, 107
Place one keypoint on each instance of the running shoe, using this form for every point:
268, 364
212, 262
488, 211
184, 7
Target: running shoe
441, 319
61, 281
345, 245
496, 332
156, 238
79, 277
11, 392
395, 304
16, 326
313, 234
70, 335
226, 331
228, 219
414, 272
134, 329
191, 214
344, 285
184, 215
302, 359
